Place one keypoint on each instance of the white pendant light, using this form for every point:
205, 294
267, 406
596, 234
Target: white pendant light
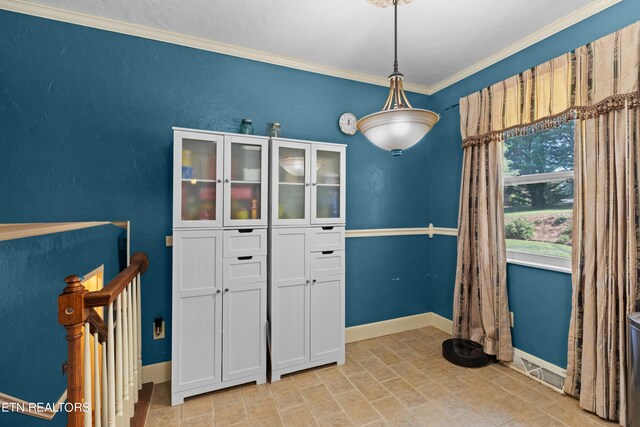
398, 125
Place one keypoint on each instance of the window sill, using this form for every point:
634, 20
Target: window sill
544, 262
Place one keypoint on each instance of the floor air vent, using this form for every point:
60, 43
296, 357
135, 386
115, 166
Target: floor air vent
538, 369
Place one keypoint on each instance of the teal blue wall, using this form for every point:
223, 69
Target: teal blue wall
540, 299
85, 131
31, 278
85, 134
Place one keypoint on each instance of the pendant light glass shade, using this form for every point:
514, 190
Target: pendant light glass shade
397, 130
398, 125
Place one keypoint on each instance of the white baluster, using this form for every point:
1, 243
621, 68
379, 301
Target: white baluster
125, 360
139, 322
132, 391
87, 374
105, 390
97, 416
119, 371
134, 329
111, 371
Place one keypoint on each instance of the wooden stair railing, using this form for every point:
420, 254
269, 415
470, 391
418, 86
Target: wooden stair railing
104, 379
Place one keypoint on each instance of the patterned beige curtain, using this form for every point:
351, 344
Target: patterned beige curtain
605, 221
597, 85
481, 311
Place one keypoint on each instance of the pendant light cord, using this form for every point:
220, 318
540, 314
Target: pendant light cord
395, 33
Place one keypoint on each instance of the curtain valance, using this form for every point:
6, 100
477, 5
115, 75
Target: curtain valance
594, 79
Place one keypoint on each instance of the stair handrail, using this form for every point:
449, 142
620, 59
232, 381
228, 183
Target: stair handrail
76, 308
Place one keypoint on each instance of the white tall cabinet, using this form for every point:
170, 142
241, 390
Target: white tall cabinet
219, 303
306, 295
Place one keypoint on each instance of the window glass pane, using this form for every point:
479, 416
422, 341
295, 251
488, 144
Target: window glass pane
545, 151
537, 218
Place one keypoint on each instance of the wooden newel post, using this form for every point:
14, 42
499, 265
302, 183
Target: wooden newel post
72, 314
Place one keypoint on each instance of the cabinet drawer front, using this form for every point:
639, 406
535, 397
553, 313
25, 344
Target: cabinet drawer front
249, 269
327, 239
245, 242
328, 263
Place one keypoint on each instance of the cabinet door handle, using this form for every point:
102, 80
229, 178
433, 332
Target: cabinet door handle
314, 281
226, 180
314, 184
218, 291
219, 180
244, 258
226, 289
308, 281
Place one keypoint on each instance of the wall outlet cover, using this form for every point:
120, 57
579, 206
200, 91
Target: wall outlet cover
159, 336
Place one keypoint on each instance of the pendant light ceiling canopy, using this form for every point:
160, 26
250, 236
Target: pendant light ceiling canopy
398, 125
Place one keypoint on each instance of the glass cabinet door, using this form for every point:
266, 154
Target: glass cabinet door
245, 181
291, 178
327, 187
198, 179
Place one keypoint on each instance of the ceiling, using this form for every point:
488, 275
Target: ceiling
440, 42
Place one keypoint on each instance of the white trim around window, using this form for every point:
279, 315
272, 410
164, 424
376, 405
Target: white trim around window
545, 262
538, 178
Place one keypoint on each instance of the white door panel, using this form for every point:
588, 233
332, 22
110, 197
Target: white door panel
244, 323
327, 318
197, 307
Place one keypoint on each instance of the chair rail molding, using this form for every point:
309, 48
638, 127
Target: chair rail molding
417, 231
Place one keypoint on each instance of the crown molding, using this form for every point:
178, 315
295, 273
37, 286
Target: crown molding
137, 30
78, 18
544, 32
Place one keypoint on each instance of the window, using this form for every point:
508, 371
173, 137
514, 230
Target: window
538, 198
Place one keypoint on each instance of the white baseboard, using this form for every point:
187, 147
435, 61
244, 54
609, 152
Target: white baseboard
442, 323
157, 373
386, 327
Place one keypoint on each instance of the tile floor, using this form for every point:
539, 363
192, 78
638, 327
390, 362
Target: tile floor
396, 380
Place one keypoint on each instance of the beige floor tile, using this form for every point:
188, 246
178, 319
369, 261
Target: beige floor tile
298, 416
161, 396
494, 412
228, 409
263, 412
369, 387
394, 412
350, 367
452, 406
378, 369
409, 396
473, 419
358, 351
385, 354
398, 380
286, 394
432, 390
197, 406
431, 415
337, 419
205, 420
168, 416
253, 392
320, 401
410, 373
306, 379
335, 381
453, 384
357, 408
